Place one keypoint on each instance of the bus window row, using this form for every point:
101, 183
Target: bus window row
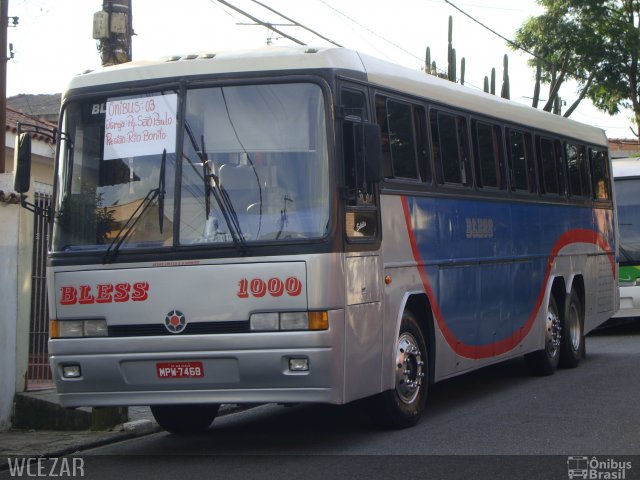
434, 145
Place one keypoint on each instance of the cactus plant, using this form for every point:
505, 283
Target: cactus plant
427, 62
493, 81
505, 93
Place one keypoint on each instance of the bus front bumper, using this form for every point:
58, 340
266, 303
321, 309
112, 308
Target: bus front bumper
200, 369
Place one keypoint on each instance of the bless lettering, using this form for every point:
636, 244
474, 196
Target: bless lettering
104, 293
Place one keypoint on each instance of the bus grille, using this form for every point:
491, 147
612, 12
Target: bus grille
199, 328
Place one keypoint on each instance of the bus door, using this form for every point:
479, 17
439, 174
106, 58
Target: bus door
363, 270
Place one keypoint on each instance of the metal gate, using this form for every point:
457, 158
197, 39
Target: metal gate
39, 372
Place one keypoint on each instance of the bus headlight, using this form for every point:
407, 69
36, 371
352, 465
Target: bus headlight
294, 321
264, 321
289, 321
78, 328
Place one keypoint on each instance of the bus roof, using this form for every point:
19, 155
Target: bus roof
626, 167
378, 72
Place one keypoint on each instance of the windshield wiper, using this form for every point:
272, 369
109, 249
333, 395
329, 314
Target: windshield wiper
283, 216
112, 252
212, 185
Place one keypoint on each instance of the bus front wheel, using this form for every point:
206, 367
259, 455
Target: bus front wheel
402, 406
185, 418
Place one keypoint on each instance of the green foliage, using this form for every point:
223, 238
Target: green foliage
84, 216
594, 42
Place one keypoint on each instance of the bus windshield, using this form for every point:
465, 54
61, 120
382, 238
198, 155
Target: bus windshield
628, 219
242, 164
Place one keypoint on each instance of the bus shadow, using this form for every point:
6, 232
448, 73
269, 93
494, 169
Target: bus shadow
618, 326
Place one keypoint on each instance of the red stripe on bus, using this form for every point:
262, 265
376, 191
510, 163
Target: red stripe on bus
476, 352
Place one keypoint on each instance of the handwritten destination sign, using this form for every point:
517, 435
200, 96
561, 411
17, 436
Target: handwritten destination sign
140, 126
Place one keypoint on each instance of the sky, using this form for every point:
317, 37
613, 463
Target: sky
53, 38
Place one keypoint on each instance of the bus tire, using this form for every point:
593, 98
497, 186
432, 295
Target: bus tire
572, 342
402, 406
183, 419
545, 361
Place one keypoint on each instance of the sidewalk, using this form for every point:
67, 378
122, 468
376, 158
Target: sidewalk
55, 443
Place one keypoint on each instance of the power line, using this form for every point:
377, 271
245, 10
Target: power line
296, 23
509, 41
265, 24
370, 31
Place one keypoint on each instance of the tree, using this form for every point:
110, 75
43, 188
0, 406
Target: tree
594, 42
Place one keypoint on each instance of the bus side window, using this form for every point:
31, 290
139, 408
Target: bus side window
548, 167
521, 164
399, 142
353, 104
488, 153
360, 189
450, 148
577, 170
600, 175
422, 144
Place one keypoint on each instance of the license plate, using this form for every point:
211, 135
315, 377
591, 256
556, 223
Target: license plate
179, 369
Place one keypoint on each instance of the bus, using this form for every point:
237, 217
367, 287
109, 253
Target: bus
303, 225
626, 174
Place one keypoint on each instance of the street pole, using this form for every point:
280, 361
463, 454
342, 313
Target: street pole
4, 23
115, 35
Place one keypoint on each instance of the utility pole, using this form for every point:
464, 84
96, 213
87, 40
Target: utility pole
113, 28
4, 24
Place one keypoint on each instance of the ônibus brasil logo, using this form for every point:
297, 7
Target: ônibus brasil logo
596, 469
175, 321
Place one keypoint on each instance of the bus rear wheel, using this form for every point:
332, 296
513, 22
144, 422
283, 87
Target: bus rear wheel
545, 361
179, 419
572, 345
402, 406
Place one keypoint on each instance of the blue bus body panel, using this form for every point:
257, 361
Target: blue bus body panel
485, 264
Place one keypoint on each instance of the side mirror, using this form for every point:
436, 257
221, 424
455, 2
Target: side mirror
22, 163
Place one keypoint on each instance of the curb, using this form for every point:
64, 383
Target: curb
122, 432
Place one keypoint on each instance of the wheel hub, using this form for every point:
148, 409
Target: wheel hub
553, 334
409, 368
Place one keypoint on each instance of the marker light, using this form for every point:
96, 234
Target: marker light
318, 320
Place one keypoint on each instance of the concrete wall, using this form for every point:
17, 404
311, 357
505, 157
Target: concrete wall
9, 219
16, 247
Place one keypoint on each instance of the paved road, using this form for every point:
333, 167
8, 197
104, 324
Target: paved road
487, 416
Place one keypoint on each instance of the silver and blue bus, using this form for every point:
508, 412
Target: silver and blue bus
314, 225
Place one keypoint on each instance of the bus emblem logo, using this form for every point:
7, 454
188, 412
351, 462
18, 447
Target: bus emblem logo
175, 321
